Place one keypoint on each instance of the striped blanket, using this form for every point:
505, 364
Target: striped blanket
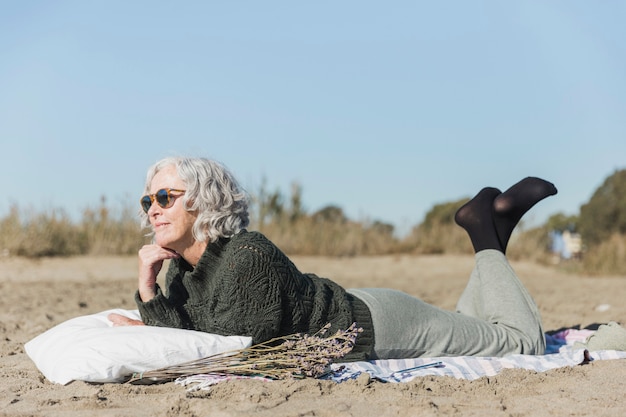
466, 367
560, 352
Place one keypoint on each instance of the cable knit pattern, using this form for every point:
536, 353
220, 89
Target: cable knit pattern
246, 286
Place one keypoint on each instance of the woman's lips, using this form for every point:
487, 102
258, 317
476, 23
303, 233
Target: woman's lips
160, 225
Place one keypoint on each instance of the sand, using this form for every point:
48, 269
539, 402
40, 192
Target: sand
37, 295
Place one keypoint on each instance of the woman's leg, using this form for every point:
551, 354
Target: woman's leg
495, 294
510, 206
496, 317
495, 314
476, 217
491, 216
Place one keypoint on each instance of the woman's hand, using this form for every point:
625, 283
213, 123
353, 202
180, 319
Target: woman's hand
151, 259
119, 320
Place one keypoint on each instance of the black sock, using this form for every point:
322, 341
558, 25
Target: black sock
511, 205
476, 217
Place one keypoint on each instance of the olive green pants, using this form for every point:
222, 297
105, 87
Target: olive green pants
495, 317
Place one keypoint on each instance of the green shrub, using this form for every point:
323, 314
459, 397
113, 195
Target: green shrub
605, 213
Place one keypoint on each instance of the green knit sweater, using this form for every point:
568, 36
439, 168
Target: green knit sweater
246, 286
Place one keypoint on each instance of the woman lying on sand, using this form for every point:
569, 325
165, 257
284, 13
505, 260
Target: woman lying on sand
226, 280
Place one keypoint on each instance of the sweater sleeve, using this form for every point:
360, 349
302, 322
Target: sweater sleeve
162, 310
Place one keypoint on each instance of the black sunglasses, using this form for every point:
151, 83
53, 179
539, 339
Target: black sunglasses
163, 197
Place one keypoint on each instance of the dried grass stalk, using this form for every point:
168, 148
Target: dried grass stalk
293, 356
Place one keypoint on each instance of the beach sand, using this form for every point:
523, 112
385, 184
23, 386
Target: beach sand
37, 295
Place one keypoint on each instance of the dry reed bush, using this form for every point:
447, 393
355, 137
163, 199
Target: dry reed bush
26, 233
306, 236
111, 232
10, 232
439, 238
53, 233
328, 232
532, 245
438, 233
606, 258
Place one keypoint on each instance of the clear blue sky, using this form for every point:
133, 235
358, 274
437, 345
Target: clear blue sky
382, 108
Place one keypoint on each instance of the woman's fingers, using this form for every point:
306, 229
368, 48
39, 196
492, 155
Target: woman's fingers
151, 259
119, 320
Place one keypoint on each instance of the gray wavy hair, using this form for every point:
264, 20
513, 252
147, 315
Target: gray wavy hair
213, 191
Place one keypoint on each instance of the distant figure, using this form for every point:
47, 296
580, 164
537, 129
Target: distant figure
565, 245
557, 245
227, 280
573, 244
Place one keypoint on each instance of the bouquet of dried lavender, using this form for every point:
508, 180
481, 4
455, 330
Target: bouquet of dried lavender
293, 356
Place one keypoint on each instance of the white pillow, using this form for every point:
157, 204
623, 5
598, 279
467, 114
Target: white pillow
89, 348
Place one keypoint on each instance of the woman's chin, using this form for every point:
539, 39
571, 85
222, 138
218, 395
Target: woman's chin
162, 241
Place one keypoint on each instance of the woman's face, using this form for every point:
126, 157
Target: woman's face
172, 226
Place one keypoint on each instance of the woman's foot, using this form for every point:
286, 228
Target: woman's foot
476, 217
511, 205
